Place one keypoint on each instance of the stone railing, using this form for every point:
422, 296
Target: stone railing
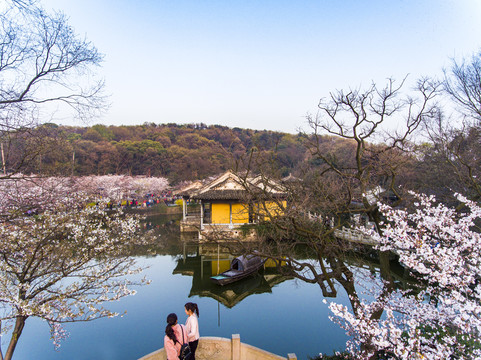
355, 236
217, 348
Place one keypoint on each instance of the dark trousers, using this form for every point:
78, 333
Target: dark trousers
193, 347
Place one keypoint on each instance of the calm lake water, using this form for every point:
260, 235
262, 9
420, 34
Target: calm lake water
279, 314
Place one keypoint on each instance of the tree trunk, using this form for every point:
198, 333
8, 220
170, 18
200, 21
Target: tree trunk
17, 331
386, 268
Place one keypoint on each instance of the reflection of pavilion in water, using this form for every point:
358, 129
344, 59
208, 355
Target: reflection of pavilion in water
211, 260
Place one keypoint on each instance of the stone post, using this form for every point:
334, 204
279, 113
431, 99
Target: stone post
236, 347
184, 208
291, 357
201, 215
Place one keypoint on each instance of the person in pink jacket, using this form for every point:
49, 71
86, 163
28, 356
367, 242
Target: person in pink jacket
192, 326
174, 333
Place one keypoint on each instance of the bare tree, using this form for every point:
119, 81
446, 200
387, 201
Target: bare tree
463, 84
45, 69
363, 118
352, 153
453, 158
54, 264
455, 138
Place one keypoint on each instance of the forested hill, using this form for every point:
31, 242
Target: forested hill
197, 151
178, 152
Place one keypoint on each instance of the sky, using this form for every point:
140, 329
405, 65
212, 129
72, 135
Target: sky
262, 64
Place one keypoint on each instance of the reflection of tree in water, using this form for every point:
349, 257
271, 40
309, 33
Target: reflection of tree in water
162, 232
208, 262
329, 264
319, 258
348, 270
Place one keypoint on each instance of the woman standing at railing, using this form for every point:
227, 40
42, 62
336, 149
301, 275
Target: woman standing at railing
192, 326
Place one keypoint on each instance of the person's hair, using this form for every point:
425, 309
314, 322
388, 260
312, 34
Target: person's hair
171, 321
192, 307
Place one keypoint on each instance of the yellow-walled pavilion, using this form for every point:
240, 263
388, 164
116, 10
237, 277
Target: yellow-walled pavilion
226, 205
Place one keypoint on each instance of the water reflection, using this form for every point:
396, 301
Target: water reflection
211, 259
201, 261
273, 301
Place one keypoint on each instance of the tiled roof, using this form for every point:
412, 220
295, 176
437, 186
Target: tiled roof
221, 195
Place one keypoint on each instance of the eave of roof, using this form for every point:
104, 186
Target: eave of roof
238, 195
221, 195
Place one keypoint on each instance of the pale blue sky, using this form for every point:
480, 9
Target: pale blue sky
262, 64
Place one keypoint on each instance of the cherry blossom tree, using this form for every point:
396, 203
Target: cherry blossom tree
114, 187
120, 187
62, 256
29, 194
143, 185
442, 248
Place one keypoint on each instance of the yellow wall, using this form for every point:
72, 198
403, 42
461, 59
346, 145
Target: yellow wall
223, 265
273, 263
220, 213
240, 213
272, 209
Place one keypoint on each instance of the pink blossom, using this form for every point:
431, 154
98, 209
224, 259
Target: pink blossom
441, 248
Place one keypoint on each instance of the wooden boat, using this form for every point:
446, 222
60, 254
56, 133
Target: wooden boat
240, 268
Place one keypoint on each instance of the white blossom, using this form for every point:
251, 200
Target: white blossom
62, 256
442, 249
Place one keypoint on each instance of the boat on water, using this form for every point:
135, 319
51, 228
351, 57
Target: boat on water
240, 268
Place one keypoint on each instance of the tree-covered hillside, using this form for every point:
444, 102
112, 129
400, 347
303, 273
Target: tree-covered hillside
179, 152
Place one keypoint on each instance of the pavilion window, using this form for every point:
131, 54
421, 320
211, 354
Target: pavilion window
252, 216
207, 213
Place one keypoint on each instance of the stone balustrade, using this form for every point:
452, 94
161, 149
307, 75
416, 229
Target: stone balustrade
217, 348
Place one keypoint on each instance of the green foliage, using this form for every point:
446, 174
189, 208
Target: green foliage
141, 147
104, 132
179, 152
469, 343
74, 136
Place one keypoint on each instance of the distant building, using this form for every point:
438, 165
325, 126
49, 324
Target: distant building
228, 202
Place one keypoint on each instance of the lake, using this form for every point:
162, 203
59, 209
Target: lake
271, 311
